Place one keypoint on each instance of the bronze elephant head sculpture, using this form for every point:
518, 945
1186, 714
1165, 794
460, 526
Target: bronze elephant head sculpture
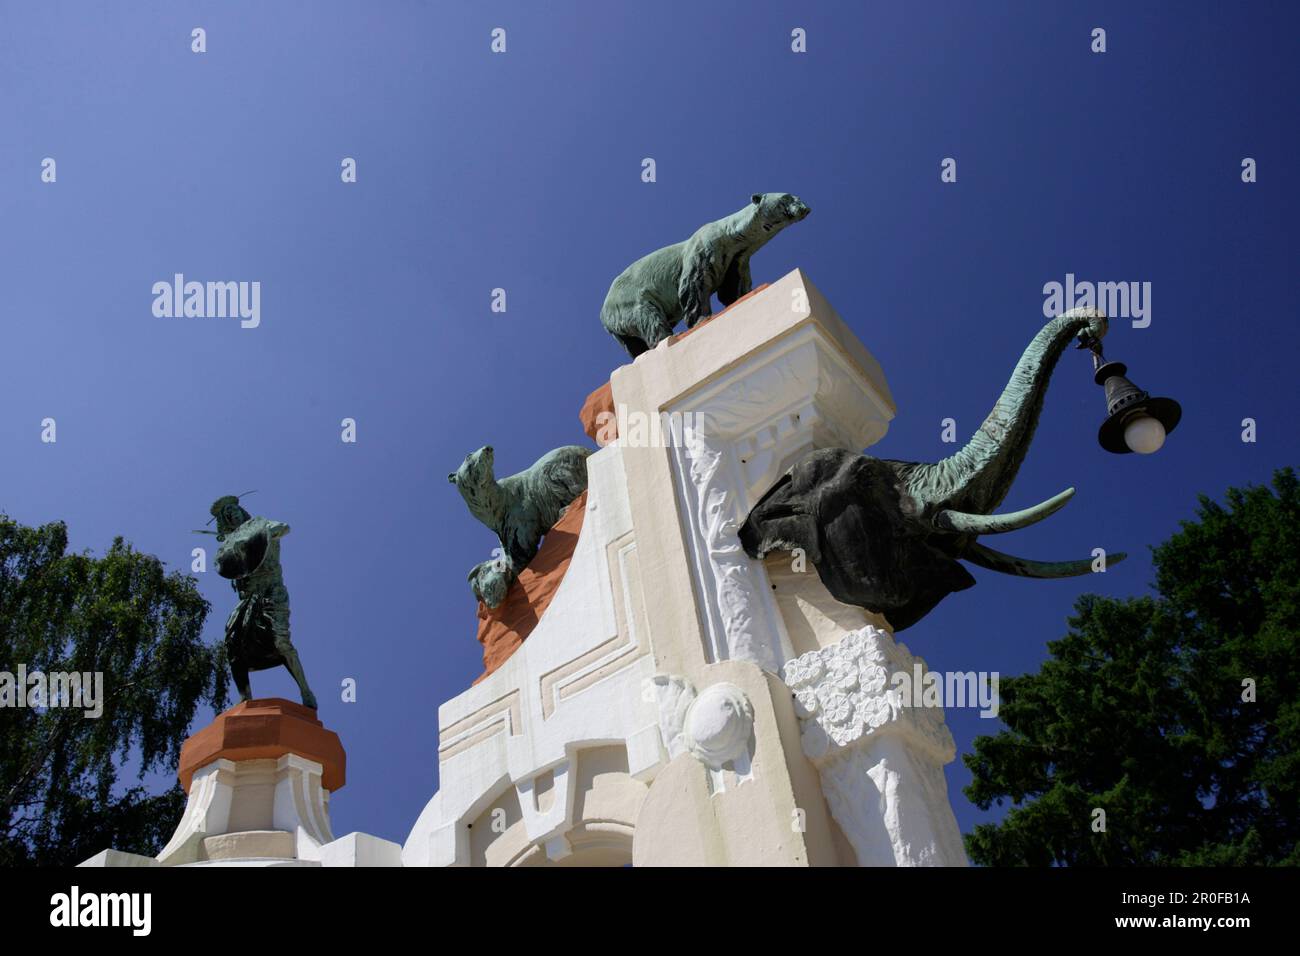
889, 536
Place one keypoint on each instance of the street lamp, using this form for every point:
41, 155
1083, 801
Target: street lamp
1134, 420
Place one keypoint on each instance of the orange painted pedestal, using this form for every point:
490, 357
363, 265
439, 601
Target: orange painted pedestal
265, 729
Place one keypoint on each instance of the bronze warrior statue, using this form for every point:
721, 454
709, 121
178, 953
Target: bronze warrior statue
257, 631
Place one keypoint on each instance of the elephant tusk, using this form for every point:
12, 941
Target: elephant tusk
1025, 568
965, 523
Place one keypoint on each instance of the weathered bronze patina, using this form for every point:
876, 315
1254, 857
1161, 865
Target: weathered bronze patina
257, 631
677, 282
887, 535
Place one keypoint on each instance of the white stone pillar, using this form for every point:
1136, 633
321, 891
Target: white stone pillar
791, 380
881, 761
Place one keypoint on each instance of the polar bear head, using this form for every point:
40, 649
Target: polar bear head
774, 211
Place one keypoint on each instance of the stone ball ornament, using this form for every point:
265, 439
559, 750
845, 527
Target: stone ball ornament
718, 725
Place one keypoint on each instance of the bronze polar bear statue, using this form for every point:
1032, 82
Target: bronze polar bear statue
519, 509
657, 291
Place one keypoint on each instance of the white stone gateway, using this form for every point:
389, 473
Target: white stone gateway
679, 703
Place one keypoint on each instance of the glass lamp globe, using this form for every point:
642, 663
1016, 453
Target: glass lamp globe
1135, 422
1144, 435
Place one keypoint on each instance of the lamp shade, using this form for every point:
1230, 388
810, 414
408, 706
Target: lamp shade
1126, 428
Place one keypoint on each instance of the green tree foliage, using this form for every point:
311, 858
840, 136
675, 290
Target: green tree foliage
121, 615
1139, 711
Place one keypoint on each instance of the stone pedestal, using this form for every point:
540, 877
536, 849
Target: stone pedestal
880, 755
259, 779
266, 729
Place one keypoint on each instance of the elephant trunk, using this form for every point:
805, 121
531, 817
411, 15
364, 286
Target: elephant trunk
978, 478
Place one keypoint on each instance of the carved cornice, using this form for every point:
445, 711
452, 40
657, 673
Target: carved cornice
750, 424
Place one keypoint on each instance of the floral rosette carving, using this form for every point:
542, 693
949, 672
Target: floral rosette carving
843, 693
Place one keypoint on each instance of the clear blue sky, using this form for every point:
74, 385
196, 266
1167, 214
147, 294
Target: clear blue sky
523, 171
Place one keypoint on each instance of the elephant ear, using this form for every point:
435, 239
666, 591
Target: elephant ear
937, 578
779, 522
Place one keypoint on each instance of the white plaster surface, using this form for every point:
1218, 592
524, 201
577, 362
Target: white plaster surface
653, 684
